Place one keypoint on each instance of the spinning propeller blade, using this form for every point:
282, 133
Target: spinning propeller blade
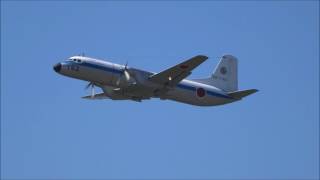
91, 84
125, 73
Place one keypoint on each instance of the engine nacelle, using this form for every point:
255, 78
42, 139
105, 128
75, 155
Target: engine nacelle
123, 82
109, 91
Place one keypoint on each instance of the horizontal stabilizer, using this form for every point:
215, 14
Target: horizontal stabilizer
96, 96
241, 94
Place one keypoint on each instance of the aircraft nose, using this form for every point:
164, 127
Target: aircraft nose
57, 67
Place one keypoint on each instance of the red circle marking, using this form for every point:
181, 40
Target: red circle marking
201, 92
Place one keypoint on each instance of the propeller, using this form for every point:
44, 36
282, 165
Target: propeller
125, 73
91, 84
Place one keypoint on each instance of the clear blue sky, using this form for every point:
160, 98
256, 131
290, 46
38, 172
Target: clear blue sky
48, 131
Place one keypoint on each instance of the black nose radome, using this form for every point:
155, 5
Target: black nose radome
57, 67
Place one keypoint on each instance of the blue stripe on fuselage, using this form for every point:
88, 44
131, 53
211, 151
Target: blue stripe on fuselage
191, 88
180, 85
218, 95
104, 68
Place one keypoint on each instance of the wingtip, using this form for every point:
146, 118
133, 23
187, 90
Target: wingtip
204, 57
252, 91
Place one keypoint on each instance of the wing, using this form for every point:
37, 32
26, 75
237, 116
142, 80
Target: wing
175, 74
118, 94
97, 96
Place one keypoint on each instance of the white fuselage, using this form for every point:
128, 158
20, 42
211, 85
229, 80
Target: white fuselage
108, 75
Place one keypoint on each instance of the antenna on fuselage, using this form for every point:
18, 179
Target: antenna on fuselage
82, 54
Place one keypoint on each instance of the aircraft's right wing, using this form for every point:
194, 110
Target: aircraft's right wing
177, 73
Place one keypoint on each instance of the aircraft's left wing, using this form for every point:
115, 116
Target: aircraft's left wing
96, 96
175, 74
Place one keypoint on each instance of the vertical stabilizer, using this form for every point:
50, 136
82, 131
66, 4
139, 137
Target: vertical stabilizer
225, 75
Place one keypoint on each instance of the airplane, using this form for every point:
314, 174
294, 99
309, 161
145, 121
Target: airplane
121, 82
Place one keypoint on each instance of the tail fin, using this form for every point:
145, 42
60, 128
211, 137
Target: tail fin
225, 75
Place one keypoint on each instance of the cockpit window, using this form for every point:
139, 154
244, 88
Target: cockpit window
75, 60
